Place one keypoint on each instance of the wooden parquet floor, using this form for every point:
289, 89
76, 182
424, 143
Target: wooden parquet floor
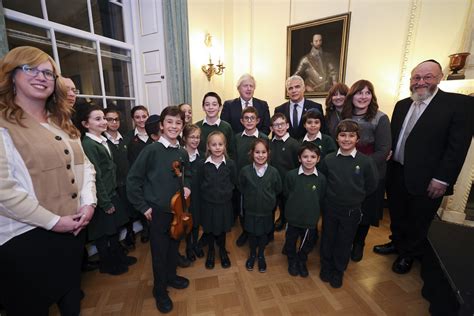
370, 287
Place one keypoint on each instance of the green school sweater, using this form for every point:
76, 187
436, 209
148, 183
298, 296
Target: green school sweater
303, 195
350, 179
151, 181
284, 155
242, 148
224, 127
105, 178
326, 145
259, 193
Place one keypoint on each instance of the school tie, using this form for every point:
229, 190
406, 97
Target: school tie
295, 115
410, 124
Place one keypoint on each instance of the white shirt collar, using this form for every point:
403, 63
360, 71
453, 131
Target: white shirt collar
301, 103
301, 171
217, 164
318, 135
167, 143
255, 134
218, 122
284, 138
112, 139
242, 101
353, 153
100, 140
193, 156
260, 172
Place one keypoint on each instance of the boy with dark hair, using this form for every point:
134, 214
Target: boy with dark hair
243, 142
152, 127
303, 188
312, 121
284, 157
351, 176
151, 183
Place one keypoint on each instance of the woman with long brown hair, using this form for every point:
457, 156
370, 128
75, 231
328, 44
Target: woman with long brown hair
375, 141
334, 104
47, 188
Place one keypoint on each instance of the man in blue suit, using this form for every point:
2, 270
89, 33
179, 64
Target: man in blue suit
232, 109
431, 135
297, 106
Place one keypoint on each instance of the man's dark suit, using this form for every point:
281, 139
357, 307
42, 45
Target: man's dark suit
299, 131
436, 148
232, 110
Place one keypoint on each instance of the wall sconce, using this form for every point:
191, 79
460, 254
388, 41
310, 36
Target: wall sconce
210, 69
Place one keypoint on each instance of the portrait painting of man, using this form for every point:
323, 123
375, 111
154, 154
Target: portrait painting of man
316, 51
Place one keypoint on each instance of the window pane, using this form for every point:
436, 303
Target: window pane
30, 7
107, 19
70, 13
78, 59
19, 34
116, 63
124, 107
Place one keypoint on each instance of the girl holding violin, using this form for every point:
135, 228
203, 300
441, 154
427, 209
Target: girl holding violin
217, 177
151, 184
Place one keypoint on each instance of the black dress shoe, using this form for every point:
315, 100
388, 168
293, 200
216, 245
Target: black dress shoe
210, 260
336, 280
293, 269
242, 239
164, 304
128, 260
262, 264
325, 275
279, 224
225, 261
145, 234
402, 265
357, 252
250, 263
183, 262
179, 283
385, 249
303, 270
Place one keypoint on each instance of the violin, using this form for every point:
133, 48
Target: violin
182, 222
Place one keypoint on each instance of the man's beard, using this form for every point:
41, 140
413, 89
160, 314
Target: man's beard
426, 94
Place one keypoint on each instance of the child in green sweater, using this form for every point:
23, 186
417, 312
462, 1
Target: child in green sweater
212, 104
284, 157
304, 188
259, 184
312, 123
243, 141
351, 176
110, 214
151, 183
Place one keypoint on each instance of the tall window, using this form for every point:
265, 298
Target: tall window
87, 40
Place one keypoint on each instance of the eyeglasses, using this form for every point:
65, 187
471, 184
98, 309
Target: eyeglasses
278, 125
249, 118
426, 78
112, 119
74, 90
33, 72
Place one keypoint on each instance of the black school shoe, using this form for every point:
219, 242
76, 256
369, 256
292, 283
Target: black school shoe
164, 304
190, 254
262, 265
325, 275
336, 280
183, 262
179, 283
293, 269
198, 251
250, 263
210, 260
357, 252
225, 261
303, 270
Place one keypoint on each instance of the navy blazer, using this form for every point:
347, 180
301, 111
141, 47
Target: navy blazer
437, 144
300, 131
232, 112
